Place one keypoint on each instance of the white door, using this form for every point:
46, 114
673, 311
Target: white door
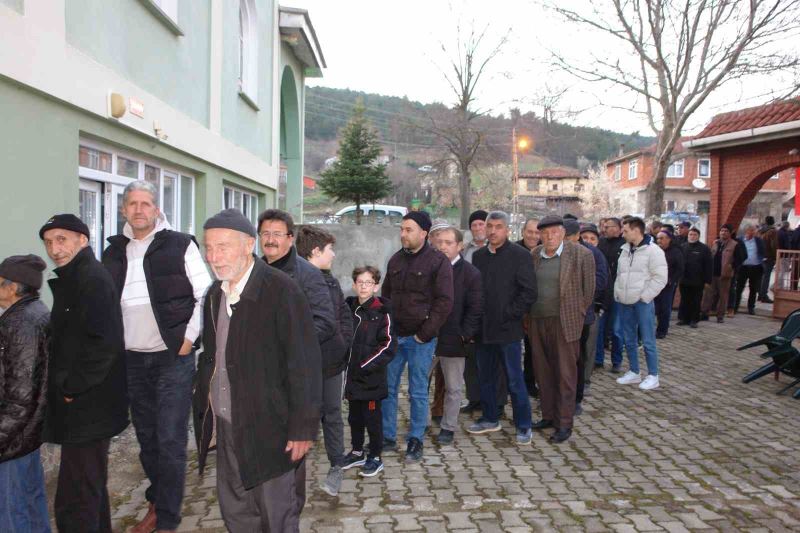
90, 207
114, 220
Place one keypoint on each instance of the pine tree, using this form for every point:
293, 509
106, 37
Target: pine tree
356, 176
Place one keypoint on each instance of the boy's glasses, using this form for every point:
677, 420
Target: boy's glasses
368, 283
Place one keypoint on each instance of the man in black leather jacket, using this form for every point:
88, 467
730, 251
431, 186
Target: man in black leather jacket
24, 346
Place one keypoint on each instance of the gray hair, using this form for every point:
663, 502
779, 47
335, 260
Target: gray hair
748, 226
140, 185
22, 290
531, 219
498, 215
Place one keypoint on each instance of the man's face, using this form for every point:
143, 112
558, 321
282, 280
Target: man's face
496, 232
365, 287
478, 230
63, 245
612, 229
750, 232
228, 253
140, 211
683, 231
663, 240
325, 258
447, 244
590, 238
693, 236
552, 237
630, 234
530, 234
275, 239
412, 237
724, 234
8, 293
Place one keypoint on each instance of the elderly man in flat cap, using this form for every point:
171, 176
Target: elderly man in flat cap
24, 345
259, 382
86, 398
565, 276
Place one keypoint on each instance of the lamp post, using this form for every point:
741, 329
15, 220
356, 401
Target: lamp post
516, 146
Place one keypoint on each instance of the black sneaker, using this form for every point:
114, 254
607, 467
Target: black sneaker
598, 365
354, 458
436, 420
372, 467
616, 369
470, 407
693, 325
445, 437
414, 450
389, 445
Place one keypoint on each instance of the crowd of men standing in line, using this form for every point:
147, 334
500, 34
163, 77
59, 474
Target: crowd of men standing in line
282, 347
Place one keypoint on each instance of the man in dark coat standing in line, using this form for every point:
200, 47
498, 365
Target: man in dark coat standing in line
24, 345
259, 382
419, 285
565, 274
608, 326
696, 276
509, 289
87, 402
675, 264
529, 241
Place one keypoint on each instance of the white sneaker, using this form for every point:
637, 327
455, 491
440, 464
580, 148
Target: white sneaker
629, 378
650, 382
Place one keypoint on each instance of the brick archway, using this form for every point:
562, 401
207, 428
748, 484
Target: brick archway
739, 172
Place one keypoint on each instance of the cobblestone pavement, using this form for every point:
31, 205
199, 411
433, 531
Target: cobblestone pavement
702, 452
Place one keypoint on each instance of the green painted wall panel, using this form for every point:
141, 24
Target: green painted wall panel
127, 38
241, 123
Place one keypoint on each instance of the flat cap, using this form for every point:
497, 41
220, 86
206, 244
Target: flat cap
550, 220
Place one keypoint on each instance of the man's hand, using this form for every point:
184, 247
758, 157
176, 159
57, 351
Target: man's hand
67, 399
298, 448
186, 347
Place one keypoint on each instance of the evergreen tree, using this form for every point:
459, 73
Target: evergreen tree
357, 176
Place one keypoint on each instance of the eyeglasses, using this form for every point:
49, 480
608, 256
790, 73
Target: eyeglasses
367, 283
275, 234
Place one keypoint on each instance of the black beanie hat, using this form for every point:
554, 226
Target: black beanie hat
25, 269
590, 227
422, 218
571, 226
480, 214
66, 221
231, 219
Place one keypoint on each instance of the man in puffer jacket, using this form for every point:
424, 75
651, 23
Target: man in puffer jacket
641, 275
24, 346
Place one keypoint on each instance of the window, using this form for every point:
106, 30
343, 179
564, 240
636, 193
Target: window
703, 206
675, 170
169, 7
532, 185
703, 168
671, 205
166, 11
578, 187
248, 52
187, 204
127, 167
617, 172
94, 159
246, 202
554, 187
633, 169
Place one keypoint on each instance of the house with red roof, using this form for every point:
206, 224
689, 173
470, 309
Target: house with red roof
552, 190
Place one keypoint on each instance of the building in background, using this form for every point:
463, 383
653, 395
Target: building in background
203, 98
687, 187
552, 190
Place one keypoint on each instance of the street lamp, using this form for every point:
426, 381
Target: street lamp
517, 145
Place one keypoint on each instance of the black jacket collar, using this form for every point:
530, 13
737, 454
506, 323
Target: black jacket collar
286, 263
69, 270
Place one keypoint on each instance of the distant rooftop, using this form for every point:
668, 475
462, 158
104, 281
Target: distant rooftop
753, 117
554, 172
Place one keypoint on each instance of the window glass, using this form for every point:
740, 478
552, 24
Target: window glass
704, 168
633, 169
153, 175
127, 167
187, 205
675, 170
169, 197
95, 159
617, 172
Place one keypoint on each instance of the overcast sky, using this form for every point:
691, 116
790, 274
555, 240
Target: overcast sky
394, 48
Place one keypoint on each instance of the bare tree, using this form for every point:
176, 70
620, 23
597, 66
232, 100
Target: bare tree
676, 53
459, 128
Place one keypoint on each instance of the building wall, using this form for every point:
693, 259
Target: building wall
566, 186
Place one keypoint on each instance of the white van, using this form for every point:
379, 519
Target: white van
379, 209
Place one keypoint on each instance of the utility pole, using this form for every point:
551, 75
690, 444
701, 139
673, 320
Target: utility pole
515, 192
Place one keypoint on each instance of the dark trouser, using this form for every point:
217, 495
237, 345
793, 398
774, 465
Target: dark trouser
586, 357
748, 274
472, 382
332, 424
732, 292
691, 297
160, 390
557, 369
366, 414
81, 504
663, 303
716, 296
272, 506
763, 292
509, 358
437, 406
527, 368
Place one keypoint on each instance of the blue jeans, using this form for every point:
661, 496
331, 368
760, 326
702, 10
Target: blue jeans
638, 320
609, 321
23, 504
511, 356
160, 391
419, 358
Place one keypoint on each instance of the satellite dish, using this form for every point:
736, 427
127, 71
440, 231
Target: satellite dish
699, 183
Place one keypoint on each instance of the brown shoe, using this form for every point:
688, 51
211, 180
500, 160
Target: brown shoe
731, 312
148, 523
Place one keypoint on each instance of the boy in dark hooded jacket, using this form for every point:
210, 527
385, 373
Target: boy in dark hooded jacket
374, 344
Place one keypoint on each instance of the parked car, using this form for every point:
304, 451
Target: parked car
379, 210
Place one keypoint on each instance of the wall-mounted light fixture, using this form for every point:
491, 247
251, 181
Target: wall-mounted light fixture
116, 105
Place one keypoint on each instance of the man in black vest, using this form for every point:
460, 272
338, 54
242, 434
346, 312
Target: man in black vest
161, 280
86, 400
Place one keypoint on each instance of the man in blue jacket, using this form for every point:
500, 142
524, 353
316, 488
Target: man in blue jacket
752, 268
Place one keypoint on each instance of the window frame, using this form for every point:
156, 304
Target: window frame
243, 192
247, 77
673, 166
166, 11
699, 166
633, 169
618, 172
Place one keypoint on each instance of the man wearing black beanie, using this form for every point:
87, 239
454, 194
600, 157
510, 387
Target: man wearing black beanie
477, 228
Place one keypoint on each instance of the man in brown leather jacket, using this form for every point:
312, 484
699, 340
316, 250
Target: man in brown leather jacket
725, 261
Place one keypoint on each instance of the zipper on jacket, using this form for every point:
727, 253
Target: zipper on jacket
350, 356
213, 373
